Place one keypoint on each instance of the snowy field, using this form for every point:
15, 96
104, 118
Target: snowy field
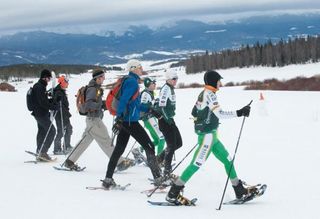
279, 146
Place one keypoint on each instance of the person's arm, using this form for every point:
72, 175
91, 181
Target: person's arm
213, 104
129, 88
91, 103
163, 98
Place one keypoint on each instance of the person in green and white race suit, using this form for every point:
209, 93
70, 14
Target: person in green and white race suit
149, 120
206, 113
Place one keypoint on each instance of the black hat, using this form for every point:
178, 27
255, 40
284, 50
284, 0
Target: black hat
147, 82
45, 73
97, 73
211, 78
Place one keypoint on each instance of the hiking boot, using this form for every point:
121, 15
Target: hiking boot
44, 157
243, 192
71, 165
175, 197
108, 183
125, 164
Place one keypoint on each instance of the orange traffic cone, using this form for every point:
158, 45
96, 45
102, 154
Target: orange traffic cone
261, 96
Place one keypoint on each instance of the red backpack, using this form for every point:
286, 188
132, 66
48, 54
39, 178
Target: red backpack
114, 95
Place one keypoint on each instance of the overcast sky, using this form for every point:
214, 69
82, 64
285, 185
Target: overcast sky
96, 15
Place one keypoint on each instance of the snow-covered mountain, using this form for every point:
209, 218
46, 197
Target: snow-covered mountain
172, 41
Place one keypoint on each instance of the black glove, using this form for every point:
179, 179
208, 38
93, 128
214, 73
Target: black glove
54, 107
155, 113
244, 111
117, 125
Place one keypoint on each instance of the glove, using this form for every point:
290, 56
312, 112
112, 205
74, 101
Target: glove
155, 113
117, 125
244, 111
54, 107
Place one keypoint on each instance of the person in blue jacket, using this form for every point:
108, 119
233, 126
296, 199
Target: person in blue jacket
127, 124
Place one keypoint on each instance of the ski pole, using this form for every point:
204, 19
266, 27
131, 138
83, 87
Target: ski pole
156, 188
130, 149
232, 161
45, 138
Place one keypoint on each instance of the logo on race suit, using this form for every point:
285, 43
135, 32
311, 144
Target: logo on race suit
201, 158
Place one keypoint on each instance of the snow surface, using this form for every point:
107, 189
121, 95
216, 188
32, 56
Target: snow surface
279, 146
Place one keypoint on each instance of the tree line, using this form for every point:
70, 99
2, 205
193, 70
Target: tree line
293, 51
33, 70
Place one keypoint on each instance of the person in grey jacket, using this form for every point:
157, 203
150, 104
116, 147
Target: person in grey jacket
95, 128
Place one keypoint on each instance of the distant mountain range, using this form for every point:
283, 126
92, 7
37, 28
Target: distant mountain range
175, 41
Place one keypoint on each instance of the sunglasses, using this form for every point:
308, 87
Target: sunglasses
174, 79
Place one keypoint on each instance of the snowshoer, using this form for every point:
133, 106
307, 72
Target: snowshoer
64, 127
207, 113
166, 110
42, 105
95, 128
127, 124
149, 120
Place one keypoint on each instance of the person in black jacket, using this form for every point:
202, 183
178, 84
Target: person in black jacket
64, 127
42, 105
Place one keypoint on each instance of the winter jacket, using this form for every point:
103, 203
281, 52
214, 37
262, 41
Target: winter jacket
147, 101
207, 111
167, 102
42, 104
60, 97
129, 108
93, 103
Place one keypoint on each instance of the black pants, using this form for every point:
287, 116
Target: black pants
43, 126
174, 141
67, 135
135, 130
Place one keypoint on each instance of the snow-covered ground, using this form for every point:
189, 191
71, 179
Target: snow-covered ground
279, 146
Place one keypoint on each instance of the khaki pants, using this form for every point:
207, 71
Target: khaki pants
95, 130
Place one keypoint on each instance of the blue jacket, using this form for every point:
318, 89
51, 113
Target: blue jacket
130, 109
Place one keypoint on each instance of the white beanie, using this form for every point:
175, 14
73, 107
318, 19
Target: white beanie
170, 74
133, 64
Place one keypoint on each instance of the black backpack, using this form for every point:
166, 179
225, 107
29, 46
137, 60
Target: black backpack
30, 103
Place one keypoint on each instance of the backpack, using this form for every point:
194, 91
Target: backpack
30, 103
114, 95
81, 99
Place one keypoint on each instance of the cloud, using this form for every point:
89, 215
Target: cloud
17, 15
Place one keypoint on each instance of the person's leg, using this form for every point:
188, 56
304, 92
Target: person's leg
100, 134
59, 135
205, 143
139, 134
67, 136
157, 136
222, 155
45, 124
170, 138
83, 143
122, 141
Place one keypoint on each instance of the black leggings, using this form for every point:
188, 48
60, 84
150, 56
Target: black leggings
135, 130
173, 139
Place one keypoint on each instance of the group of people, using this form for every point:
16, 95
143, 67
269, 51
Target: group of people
157, 115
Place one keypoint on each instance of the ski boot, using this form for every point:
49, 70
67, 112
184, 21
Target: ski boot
59, 152
71, 165
244, 193
108, 183
125, 164
175, 197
